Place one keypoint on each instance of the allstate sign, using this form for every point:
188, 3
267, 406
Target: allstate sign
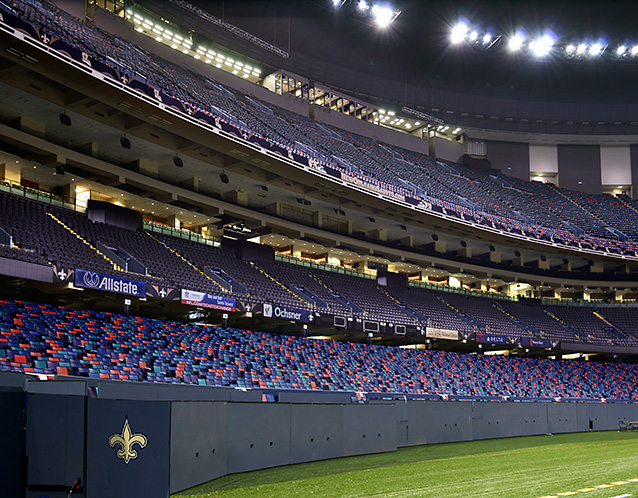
109, 283
274, 311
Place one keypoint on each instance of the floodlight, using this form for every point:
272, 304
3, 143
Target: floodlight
363, 5
516, 42
383, 16
634, 50
458, 32
473, 36
487, 38
570, 49
542, 46
595, 49
620, 51
581, 49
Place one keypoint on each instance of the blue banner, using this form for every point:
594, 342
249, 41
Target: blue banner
109, 283
491, 339
531, 342
201, 299
274, 311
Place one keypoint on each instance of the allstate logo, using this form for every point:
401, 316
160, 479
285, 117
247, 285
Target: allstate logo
268, 310
91, 279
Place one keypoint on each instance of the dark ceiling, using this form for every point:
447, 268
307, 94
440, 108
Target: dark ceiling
412, 57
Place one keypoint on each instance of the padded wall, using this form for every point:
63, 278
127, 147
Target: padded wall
258, 436
55, 440
113, 466
199, 443
12, 457
190, 442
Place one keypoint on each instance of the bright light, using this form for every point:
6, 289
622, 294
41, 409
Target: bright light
622, 50
595, 49
487, 38
363, 5
336, 3
570, 49
473, 36
458, 32
634, 50
581, 49
542, 46
516, 42
383, 16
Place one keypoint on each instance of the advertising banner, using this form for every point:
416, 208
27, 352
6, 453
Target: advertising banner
435, 333
531, 342
109, 283
201, 299
274, 311
491, 339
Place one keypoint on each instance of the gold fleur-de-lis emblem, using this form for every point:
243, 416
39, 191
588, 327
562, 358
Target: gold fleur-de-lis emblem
126, 440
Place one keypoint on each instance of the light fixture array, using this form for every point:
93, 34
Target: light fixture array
542, 45
163, 33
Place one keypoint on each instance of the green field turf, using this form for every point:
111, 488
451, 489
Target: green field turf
597, 465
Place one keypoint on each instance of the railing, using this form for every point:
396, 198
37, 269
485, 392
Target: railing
180, 233
461, 290
40, 196
323, 266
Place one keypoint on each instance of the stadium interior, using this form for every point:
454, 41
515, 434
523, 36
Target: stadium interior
203, 225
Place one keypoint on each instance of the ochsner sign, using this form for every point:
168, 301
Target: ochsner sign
274, 311
109, 283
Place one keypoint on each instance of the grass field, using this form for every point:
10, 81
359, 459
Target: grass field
598, 464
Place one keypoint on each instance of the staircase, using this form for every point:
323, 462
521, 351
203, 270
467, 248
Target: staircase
518, 322
464, 316
84, 241
196, 268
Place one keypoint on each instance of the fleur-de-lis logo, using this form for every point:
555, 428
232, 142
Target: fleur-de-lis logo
126, 440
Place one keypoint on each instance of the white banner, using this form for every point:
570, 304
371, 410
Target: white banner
451, 335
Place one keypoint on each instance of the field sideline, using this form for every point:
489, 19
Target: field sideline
596, 464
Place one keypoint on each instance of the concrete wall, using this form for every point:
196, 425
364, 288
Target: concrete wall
511, 158
579, 168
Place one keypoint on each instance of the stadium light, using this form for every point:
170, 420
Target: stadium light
363, 5
516, 42
383, 16
473, 36
570, 49
542, 46
634, 50
458, 32
620, 51
595, 49
581, 49
487, 38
